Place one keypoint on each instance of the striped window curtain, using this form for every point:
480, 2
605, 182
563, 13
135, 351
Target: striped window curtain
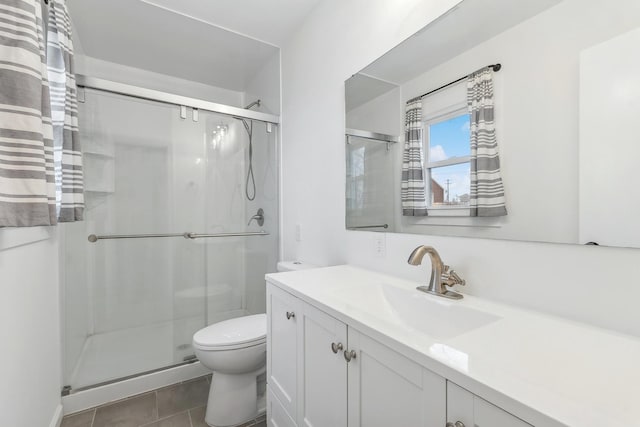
487, 192
27, 184
64, 114
414, 202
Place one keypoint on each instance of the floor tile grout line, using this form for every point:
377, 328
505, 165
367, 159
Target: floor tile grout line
190, 419
165, 418
93, 419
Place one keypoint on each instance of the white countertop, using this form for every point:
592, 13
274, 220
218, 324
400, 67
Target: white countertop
546, 370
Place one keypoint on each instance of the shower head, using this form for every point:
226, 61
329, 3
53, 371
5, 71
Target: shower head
254, 103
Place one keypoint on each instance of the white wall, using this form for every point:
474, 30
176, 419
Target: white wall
265, 86
583, 283
328, 48
30, 365
93, 67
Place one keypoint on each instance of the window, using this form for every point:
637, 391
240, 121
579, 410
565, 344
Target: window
447, 160
447, 156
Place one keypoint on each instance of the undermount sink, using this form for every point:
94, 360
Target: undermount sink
438, 319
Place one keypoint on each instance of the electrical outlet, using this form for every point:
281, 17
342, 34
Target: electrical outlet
380, 245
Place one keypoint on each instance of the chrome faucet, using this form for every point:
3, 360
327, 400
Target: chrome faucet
441, 275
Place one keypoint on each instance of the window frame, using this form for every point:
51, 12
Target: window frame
448, 113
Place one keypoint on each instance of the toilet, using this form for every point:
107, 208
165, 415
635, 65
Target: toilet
236, 351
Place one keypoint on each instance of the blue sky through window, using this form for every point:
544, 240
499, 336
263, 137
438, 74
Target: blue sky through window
449, 138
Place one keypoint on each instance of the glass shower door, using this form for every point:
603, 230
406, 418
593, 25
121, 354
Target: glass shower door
241, 178
132, 303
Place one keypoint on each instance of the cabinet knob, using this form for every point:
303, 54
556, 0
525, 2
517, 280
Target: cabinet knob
457, 424
336, 347
348, 355
290, 314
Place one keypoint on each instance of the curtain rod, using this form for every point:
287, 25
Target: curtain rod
494, 67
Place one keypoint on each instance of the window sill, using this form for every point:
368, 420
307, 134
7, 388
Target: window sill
441, 211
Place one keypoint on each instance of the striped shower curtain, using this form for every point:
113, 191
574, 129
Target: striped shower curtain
487, 192
64, 114
27, 185
40, 161
414, 202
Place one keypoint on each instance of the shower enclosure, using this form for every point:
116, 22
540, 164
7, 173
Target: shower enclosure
166, 247
370, 161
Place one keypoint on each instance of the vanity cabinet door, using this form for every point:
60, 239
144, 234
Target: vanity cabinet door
472, 411
283, 338
323, 371
387, 389
276, 415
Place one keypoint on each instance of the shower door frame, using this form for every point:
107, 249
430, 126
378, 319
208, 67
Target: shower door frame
104, 390
83, 81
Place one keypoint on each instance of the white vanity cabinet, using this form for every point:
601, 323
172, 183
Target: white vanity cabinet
322, 381
371, 385
469, 410
387, 389
283, 333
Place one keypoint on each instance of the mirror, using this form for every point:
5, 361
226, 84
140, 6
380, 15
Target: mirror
566, 102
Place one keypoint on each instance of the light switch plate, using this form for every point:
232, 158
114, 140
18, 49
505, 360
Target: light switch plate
380, 245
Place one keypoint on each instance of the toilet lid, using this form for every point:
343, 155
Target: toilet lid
241, 330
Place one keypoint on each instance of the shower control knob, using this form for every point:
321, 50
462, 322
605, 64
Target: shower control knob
336, 347
290, 314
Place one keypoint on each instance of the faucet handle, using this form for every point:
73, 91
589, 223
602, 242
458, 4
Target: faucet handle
451, 278
259, 217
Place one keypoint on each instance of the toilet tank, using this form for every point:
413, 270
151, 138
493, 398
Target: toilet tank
293, 266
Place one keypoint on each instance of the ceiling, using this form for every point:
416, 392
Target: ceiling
221, 43
271, 21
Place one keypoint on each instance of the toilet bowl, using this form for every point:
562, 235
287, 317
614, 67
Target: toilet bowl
235, 350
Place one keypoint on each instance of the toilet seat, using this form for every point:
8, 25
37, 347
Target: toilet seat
241, 332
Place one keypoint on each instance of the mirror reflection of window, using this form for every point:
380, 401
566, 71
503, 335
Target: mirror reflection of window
447, 160
447, 154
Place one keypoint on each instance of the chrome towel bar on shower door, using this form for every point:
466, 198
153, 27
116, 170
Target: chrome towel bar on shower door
357, 227
187, 235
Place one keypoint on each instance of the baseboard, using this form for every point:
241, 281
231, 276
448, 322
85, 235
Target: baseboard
57, 417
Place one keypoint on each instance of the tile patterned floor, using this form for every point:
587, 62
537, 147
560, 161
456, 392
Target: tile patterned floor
178, 405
